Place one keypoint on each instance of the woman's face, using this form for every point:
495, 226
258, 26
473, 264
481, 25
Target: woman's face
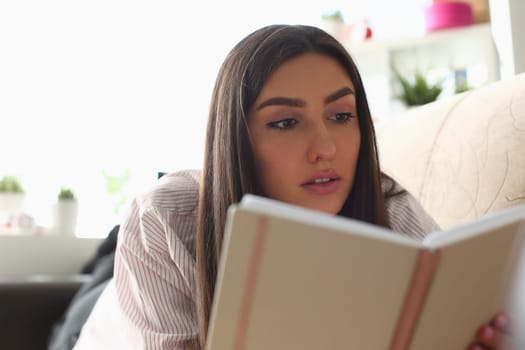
305, 133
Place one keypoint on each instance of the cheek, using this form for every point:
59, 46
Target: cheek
355, 147
352, 147
273, 164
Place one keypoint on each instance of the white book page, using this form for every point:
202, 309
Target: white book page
316, 218
476, 227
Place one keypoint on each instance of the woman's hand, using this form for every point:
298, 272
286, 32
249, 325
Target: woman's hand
495, 335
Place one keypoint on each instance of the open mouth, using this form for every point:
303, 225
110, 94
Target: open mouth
322, 185
321, 181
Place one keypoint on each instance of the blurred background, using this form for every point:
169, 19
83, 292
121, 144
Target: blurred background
99, 96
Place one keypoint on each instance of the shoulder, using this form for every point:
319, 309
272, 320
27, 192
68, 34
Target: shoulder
404, 213
177, 192
162, 220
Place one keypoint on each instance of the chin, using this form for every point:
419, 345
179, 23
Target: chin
327, 209
325, 205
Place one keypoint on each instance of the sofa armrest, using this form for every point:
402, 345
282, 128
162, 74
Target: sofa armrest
29, 307
461, 157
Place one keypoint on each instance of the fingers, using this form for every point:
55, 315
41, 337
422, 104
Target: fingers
491, 337
495, 335
476, 347
502, 322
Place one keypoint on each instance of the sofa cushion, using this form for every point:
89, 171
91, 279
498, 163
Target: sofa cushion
462, 157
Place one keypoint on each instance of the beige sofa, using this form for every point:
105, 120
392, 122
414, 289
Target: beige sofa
463, 156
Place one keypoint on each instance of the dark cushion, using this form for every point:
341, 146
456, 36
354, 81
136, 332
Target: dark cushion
29, 307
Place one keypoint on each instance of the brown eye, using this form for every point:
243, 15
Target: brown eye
283, 124
341, 117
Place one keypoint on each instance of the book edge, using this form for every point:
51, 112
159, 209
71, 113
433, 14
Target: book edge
277, 209
476, 227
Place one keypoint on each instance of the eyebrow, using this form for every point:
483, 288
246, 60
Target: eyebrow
281, 101
338, 94
295, 102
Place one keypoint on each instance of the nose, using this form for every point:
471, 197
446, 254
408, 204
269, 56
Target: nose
321, 145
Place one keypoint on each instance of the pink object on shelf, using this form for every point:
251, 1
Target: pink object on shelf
448, 14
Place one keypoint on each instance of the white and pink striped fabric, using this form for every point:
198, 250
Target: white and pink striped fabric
151, 302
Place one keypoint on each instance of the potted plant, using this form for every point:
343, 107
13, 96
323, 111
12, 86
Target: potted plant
66, 194
417, 91
65, 212
12, 195
333, 23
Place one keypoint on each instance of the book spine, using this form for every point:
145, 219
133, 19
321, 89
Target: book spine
422, 276
251, 281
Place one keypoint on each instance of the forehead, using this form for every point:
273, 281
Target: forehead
309, 74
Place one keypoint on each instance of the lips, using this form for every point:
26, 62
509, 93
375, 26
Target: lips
322, 180
323, 177
325, 182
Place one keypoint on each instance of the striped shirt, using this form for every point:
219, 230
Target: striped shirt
150, 303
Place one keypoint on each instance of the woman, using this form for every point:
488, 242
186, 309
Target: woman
288, 120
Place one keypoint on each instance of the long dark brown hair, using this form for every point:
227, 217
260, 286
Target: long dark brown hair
229, 171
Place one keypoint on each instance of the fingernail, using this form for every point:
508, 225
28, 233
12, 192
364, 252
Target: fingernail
487, 332
501, 321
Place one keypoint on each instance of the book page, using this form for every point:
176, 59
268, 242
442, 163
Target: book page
472, 283
289, 285
475, 227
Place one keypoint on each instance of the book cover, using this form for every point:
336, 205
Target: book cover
292, 278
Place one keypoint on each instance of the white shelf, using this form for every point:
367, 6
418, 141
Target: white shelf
423, 39
439, 53
44, 255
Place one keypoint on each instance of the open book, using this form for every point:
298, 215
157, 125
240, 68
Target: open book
292, 278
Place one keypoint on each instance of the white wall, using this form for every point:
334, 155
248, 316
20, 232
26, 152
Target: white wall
517, 14
508, 26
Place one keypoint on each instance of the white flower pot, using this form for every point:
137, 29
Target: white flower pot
64, 217
335, 28
11, 203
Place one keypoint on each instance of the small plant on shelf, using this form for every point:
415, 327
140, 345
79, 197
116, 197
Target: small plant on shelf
11, 184
417, 91
65, 212
333, 23
335, 16
12, 196
66, 194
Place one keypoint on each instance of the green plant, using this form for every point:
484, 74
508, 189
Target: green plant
336, 16
115, 187
11, 184
418, 91
66, 194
